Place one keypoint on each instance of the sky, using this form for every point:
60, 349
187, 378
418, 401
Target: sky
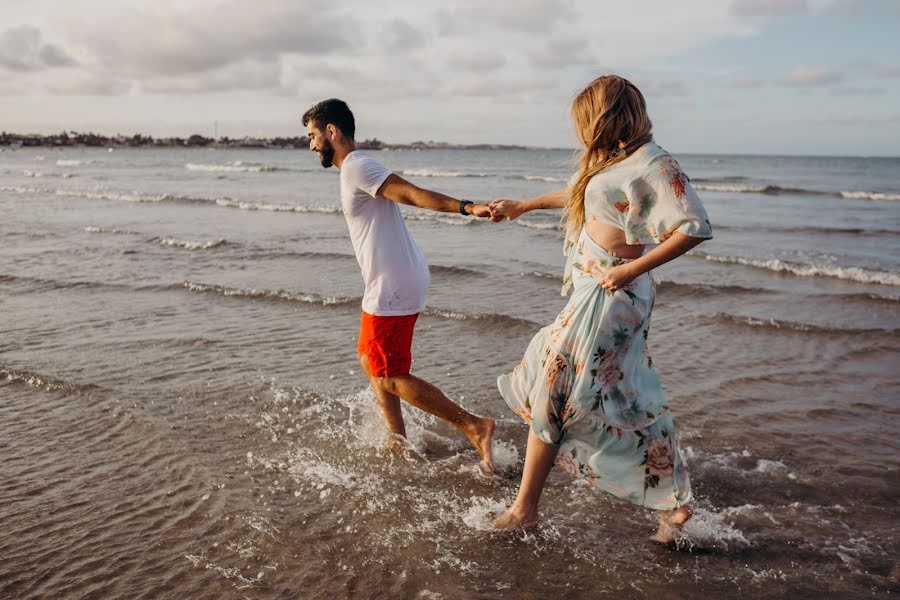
720, 76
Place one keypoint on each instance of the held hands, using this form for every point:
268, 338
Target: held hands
497, 210
505, 209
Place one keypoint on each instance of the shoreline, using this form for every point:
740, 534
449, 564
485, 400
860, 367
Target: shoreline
92, 140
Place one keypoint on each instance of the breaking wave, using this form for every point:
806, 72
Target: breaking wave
436, 173
234, 167
728, 185
869, 196
278, 295
111, 230
453, 174
45, 382
792, 326
773, 190
545, 179
858, 274
308, 298
37, 174
190, 244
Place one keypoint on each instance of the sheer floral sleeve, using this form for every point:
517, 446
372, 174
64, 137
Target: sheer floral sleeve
662, 201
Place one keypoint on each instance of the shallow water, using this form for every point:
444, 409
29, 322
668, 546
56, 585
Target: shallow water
181, 413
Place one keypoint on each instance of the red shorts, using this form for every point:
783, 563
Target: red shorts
387, 343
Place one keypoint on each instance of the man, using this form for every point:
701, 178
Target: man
395, 273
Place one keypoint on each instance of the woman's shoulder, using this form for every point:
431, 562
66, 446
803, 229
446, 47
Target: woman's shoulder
633, 166
648, 154
652, 161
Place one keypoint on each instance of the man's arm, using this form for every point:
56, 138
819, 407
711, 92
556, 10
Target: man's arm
403, 192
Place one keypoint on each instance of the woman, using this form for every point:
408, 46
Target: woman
586, 383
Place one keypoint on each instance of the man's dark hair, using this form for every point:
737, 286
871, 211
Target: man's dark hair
334, 112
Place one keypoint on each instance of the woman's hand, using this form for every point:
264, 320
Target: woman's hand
505, 209
618, 277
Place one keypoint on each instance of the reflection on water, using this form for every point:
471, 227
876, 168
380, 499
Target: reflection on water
182, 414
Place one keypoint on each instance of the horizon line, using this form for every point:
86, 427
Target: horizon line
383, 145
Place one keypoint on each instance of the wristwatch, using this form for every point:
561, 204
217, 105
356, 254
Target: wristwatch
462, 207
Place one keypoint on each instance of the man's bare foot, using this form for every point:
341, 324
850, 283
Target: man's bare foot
397, 444
670, 523
482, 436
514, 519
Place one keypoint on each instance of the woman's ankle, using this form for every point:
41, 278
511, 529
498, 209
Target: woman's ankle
524, 509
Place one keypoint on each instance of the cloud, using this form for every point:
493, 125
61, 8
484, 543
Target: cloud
560, 52
854, 121
846, 8
467, 70
477, 60
683, 103
375, 81
401, 36
86, 84
519, 16
745, 82
54, 56
159, 40
12, 84
246, 75
165, 46
532, 16
768, 8
22, 49
663, 88
811, 76
888, 70
854, 90
785, 8
485, 86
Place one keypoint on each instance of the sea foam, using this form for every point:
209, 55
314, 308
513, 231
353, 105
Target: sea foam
858, 274
438, 173
869, 196
191, 244
235, 167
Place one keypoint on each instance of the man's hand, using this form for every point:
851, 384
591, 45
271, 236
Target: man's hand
505, 209
481, 210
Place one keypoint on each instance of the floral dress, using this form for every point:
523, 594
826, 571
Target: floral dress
586, 383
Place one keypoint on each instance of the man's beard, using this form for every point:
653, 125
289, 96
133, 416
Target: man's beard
326, 154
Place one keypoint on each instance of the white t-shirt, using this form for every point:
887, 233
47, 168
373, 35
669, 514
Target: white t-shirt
393, 268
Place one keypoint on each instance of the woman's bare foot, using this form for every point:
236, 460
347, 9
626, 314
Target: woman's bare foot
670, 523
482, 435
515, 519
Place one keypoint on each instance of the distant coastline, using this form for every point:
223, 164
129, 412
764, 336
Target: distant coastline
93, 140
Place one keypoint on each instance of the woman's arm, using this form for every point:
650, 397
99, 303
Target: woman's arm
672, 248
510, 209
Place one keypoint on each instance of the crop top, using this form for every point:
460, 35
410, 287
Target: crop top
647, 196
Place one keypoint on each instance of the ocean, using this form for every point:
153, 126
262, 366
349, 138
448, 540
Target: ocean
182, 414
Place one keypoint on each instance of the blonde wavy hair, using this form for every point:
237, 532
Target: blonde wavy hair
611, 122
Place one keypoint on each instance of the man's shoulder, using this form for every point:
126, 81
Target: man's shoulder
362, 172
357, 164
359, 159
